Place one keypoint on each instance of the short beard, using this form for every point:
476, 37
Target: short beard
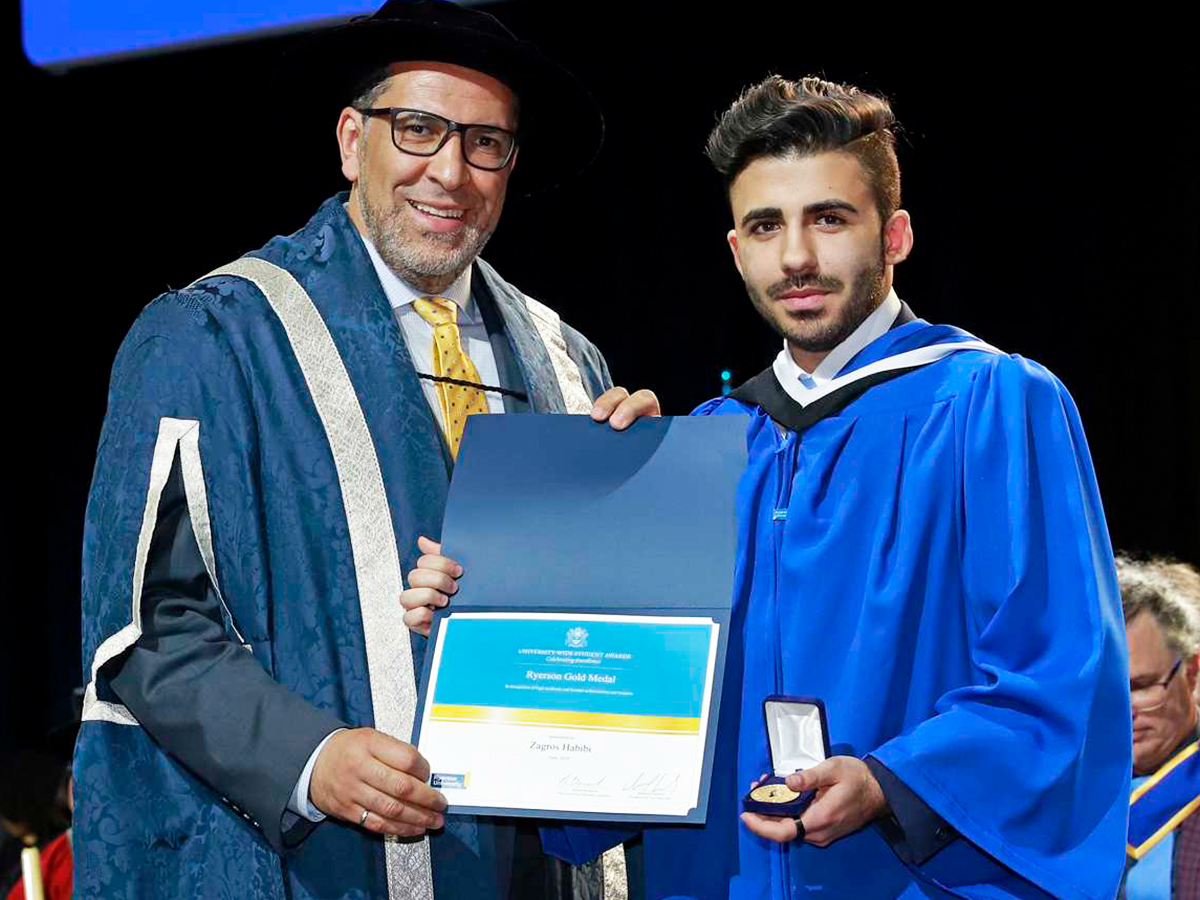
803, 330
412, 260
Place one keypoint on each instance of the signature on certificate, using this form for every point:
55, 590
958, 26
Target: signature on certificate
576, 784
653, 784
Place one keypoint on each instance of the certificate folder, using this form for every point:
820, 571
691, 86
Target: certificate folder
561, 511
591, 537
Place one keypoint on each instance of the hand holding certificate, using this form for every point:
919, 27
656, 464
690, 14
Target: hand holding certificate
586, 686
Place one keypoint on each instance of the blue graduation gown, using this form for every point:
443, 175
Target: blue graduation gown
942, 576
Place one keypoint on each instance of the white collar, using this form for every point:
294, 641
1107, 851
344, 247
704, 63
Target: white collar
791, 375
401, 293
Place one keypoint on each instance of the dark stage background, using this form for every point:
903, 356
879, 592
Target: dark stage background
1048, 167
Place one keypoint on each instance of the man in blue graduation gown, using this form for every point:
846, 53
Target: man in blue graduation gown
1161, 602
922, 547
278, 434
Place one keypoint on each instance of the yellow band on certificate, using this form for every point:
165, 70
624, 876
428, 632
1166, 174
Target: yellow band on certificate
446, 712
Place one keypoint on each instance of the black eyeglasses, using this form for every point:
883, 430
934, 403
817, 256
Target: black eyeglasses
1152, 696
424, 134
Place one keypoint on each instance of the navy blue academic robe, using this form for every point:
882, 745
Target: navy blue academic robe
933, 561
310, 461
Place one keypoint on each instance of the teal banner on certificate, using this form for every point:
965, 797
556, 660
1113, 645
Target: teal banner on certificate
593, 673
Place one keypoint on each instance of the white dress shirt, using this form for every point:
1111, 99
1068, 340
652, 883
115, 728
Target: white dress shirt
787, 370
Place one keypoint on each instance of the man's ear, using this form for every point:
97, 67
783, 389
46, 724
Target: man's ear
733, 246
350, 129
1191, 672
897, 237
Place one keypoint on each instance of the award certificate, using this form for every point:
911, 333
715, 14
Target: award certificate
559, 714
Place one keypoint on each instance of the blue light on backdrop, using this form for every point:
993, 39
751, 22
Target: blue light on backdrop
60, 33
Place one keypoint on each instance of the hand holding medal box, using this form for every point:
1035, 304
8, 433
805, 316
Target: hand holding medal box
798, 739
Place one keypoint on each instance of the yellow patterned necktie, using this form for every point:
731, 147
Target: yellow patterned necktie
449, 361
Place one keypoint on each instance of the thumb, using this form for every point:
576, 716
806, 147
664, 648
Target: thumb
809, 779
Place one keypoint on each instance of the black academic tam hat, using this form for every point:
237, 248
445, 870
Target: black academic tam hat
561, 127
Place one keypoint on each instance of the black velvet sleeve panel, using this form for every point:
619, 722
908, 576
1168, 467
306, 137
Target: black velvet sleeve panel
202, 695
914, 831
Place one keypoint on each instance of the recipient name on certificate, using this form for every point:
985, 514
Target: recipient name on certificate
570, 713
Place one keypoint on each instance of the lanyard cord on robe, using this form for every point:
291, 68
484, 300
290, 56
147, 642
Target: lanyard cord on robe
494, 325
440, 379
459, 393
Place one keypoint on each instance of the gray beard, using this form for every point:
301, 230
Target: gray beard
801, 331
413, 261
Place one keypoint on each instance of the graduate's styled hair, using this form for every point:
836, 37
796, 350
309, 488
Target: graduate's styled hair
777, 117
1169, 591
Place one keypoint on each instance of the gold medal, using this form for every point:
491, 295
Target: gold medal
774, 793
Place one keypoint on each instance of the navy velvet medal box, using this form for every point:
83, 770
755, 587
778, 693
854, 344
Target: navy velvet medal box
798, 738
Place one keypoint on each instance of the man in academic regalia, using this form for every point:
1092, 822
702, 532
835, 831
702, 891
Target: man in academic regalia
1161, 601
922, 547
277, 436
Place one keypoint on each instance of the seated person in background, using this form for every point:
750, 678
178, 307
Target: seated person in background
35, 809
1161, 602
